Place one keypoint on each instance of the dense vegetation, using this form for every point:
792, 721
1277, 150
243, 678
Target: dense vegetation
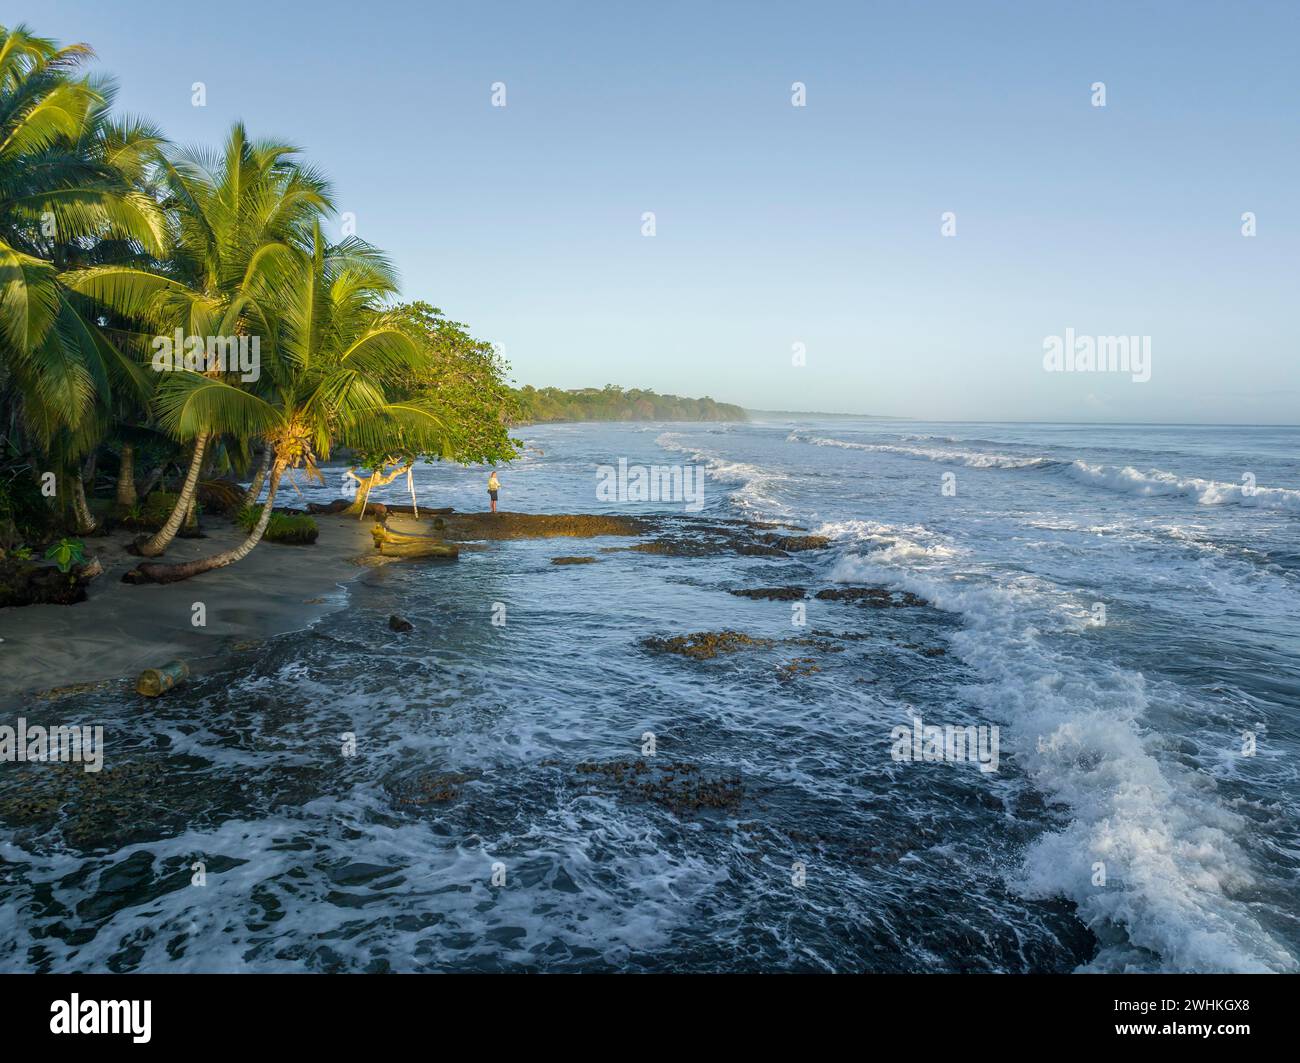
612, 403
112, 242
174, 321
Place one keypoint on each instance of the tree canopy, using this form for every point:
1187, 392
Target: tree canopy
613, 403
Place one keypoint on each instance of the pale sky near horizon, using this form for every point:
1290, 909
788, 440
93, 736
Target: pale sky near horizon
777, 224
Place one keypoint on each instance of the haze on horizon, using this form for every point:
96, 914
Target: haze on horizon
778, 225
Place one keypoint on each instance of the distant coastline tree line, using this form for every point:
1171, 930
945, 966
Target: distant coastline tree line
613, 403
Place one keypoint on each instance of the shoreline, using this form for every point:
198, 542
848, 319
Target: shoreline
121, 629
48, 651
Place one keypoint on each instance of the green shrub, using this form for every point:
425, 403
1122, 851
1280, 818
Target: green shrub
156, 508
66, 553
295, 528
220, 496
25, 514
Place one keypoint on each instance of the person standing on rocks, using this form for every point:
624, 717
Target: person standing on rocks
494, 485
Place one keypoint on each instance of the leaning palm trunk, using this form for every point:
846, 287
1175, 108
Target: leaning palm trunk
126, 496
85, 522
162, 539
255, 488
161, 572
190, 526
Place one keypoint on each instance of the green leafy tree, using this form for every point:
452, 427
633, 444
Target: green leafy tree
613, 403
461, 378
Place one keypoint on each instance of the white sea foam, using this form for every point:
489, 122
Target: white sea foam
1125, 479
1157, 482
1173, 863
757, 485
891, 542
971, 458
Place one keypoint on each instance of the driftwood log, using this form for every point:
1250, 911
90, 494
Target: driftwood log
402, 544
155, 681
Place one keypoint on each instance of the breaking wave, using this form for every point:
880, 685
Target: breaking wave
1122, 479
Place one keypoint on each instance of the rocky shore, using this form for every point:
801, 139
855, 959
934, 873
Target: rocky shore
120, 629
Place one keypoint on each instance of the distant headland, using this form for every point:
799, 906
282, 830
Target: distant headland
613, 403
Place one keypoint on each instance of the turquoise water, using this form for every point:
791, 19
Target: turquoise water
480, 824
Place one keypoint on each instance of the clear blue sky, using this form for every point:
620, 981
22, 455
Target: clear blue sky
778, 224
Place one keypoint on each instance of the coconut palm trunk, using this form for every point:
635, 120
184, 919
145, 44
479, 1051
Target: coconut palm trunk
126, 496
162, 539
162, 572
255, 488
85, 522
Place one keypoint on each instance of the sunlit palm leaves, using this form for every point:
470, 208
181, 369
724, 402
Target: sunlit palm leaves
67, 189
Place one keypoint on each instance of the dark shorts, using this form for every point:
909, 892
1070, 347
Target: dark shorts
492, 495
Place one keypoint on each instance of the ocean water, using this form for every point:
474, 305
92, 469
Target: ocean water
1108, 597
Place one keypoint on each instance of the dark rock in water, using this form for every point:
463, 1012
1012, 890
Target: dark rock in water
876, 597
856, 594
925, 651
776, 594
795, 543
758, 550
704, 645
359, 874
119, 886
675, 546
573, 561
824, 645
679, 787
397, 623
428, 787
799, 666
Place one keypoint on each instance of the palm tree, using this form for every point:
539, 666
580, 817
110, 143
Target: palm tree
237, 222
67, 194
325, 381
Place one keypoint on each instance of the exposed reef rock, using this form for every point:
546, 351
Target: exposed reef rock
876, 597
464, 526
679, 787
704, 645
799, 666
430, 787
776, 594
796, 543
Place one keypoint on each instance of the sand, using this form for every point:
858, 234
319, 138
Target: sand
121, 629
